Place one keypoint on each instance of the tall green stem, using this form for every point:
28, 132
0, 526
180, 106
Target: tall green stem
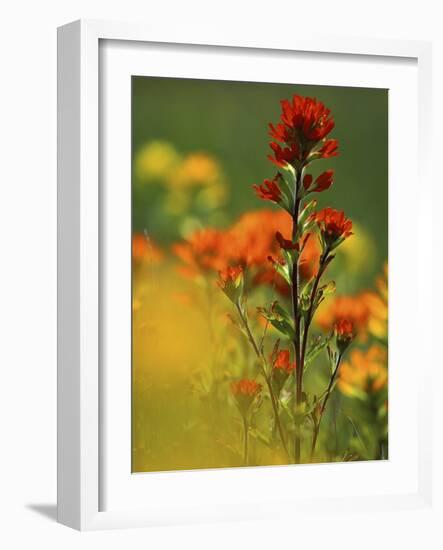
323, 407
246, 441
296, 313
262, 361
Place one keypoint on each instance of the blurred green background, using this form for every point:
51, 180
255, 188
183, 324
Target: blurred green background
229, 120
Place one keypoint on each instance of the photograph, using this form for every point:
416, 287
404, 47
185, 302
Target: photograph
259, 274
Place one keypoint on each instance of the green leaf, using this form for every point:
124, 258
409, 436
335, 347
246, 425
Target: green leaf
316, 346
279, 319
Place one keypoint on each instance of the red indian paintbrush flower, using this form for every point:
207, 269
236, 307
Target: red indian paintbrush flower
305, 123
285, 243
282, 368
344, 333
282, 361
334, 226
231, 281
329, 149
284, 155
244, 392
322, 183
269, 190
307, 115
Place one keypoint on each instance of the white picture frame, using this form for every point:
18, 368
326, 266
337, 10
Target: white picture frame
81, 413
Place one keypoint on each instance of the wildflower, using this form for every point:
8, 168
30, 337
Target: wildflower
354, 309
334, 227
202, 252
285, 155
245, 392
307, 115
323, 182
269, 190
344, 333
365, 372
305, 124
156, 162
197, 169
286, 244
329, 149
282, 367
231, 282
377, 302
143, 249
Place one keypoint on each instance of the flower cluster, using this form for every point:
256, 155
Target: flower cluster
344, 332
251, 243
334, 227
364, 373
245, 392
304, 126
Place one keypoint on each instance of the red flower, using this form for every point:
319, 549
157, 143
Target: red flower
309, 116
283, 156
344, 332
333, 225
305, 123
281, 133
307, 180
285, 243
323, 182
283, 362
282, 368
329, 149
269, 190
230, 277
244, 392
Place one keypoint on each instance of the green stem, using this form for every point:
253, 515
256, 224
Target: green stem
296, 314
323, 264
246, 441
323, 407
262, 361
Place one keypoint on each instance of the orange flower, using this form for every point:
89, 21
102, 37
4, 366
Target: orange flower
353, 309
364, 372
231, 282
334, 226
245, 391
202, 252
282, 367
143, 249
344, 333
377, 302
248, 243
282, 361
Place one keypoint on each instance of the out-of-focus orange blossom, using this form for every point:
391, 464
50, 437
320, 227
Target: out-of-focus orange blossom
250, 242
352, 308
364, 372
197, 169
144, 250
378, 306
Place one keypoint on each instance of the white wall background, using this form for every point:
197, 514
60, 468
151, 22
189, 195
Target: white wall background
28, 262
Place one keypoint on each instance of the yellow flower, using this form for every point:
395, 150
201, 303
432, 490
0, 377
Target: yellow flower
364, 372
197, 169
156, 160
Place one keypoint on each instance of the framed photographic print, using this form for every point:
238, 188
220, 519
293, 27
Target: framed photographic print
232, 298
